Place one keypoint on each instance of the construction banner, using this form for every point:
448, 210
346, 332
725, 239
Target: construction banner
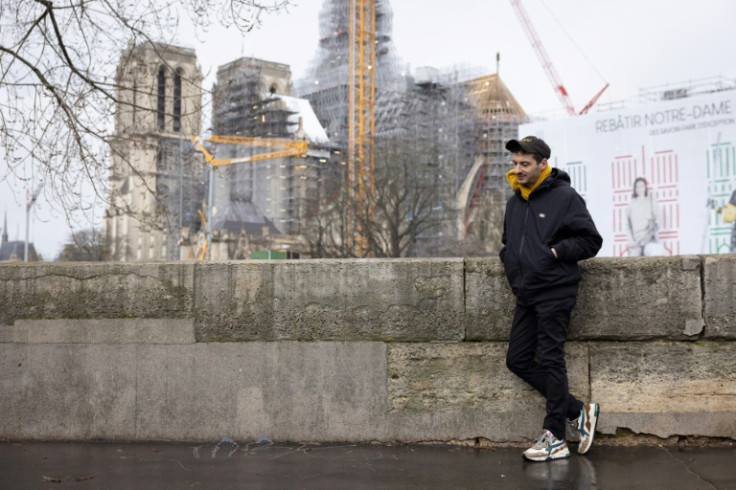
658, 173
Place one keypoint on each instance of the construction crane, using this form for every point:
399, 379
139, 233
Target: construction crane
547, 65
361, 118
285, 148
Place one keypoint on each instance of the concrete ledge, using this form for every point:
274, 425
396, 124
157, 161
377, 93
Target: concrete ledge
100, 331
374, 300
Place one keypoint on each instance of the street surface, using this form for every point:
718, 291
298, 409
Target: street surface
264, 464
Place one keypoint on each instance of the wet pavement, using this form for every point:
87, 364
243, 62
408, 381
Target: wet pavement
268, 465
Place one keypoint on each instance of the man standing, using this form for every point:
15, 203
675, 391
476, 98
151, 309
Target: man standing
546, 231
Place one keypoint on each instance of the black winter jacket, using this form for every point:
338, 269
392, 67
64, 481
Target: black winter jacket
555, 216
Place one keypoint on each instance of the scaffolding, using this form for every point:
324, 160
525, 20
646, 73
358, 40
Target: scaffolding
269, 193
454, 114
680, 90
327, 81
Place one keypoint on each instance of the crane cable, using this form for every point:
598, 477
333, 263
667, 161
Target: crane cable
573, 41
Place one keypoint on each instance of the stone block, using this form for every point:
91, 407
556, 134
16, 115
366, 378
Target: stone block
369, 300
67, 392
632, 298
659, 380
489, 302
186, 390
668, 424
639, 298
428, 381
288, 391
719, 277
95, 290
428, 376
233, 301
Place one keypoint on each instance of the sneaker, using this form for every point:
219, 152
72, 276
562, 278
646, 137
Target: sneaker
584, 426
546, 448
572, 434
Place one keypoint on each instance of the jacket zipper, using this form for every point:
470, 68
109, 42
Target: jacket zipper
521, 247
523, 236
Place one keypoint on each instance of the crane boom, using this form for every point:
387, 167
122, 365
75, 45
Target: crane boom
288, 148
547, 65
595, 98
285, 148
541, 53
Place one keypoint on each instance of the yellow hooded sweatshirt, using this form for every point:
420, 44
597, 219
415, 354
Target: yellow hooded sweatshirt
525, 191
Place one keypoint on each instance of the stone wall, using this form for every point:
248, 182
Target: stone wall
352, 350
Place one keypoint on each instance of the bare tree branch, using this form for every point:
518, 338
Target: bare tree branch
58, 94
403, 202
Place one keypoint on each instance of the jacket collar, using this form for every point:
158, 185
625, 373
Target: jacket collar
526, 191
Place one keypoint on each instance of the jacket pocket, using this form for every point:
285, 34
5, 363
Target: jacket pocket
544, 268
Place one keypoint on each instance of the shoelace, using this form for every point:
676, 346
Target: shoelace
546, 436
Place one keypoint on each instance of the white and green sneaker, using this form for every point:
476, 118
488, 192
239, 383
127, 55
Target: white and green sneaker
546, 448
584, 426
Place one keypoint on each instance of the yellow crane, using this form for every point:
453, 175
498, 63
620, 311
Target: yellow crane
287, 148
361, 119
284, 148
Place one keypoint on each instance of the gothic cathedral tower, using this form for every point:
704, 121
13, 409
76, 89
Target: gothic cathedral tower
156, 180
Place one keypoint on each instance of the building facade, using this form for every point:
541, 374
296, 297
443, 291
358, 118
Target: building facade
156, 180
272, 196
15, 250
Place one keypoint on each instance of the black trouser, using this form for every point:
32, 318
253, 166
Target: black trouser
541, 330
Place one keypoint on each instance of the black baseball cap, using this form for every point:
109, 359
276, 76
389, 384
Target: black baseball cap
529, 144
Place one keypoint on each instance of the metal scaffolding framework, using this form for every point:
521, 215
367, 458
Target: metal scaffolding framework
361, 91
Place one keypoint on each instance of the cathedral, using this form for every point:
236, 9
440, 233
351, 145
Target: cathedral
157, 182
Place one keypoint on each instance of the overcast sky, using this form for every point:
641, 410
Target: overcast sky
631, 44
